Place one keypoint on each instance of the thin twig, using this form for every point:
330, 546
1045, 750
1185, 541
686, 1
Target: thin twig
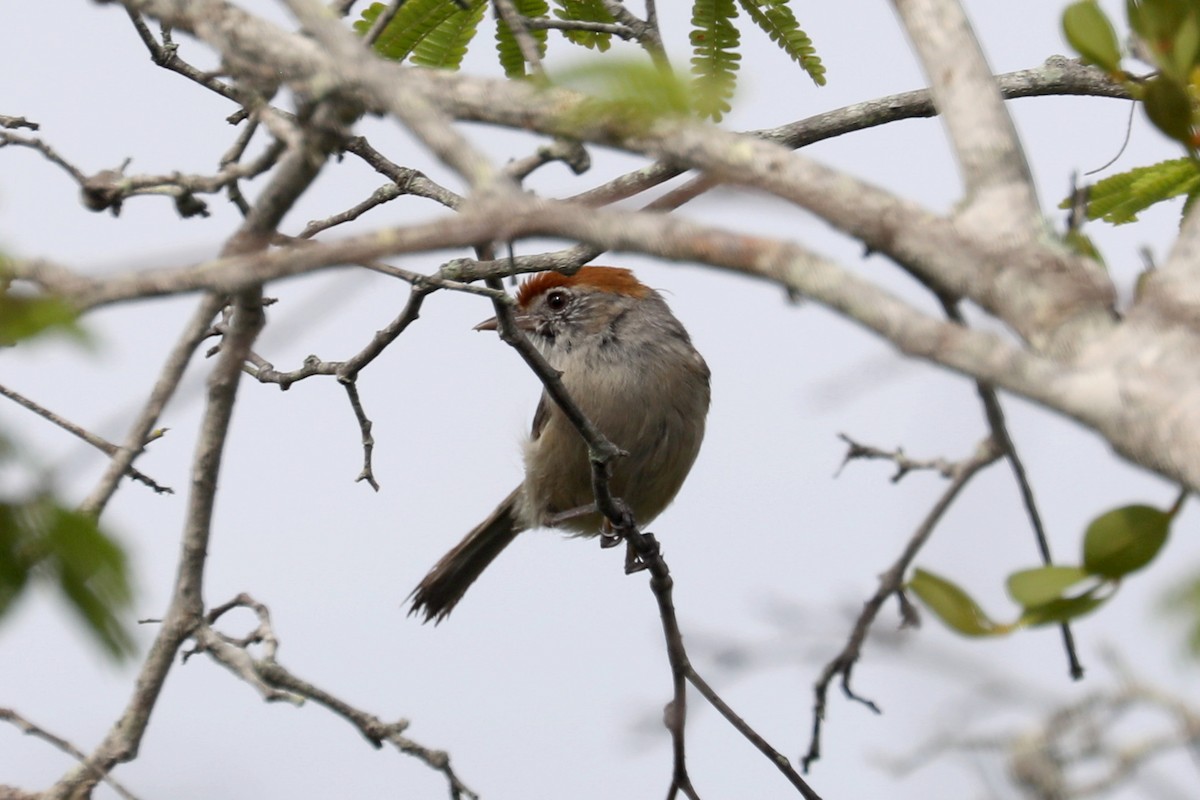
167, 57
30, 729
164, 388
368, 441
774, 756
51, 155
99, 442
994, 413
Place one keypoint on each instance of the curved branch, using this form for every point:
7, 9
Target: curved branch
981, 131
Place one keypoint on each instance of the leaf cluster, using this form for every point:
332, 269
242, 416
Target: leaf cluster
1167, 34
41, 539
1115, 544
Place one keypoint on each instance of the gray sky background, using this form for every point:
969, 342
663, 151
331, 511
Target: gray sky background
549, 679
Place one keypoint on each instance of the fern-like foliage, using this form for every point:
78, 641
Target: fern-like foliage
506, 42
1120, 198
715, 59
446, 45
437, 33
414, 22
778, 22
585, 11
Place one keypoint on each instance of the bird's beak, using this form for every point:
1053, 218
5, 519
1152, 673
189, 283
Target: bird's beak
523, 322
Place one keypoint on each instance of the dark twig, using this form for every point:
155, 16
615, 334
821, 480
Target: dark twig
13, 123
764, 747
167, 57
100, 443
347, 371
890, 583
46, 150
994, 413
30, 729
644, 31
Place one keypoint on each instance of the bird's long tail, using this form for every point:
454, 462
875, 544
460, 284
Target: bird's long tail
440, 590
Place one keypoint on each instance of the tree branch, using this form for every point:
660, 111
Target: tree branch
890, 583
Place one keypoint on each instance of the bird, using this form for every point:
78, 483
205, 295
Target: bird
630, 366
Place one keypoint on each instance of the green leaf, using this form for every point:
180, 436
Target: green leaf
445, 46
93, 575
715, 59
26, 317
776, 20
585, 11
1169, 107
1124, 540
630, 95
1185, 46
507, 48
14, 560
1082, 244
42, 539
952, 605
1119, 198
1184, 600
1033, 587
414, 22
1064, 609
1158, 23
1091, 34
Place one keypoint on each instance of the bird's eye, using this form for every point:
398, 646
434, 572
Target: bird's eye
556, 300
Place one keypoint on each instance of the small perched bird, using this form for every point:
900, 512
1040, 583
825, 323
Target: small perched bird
630, 366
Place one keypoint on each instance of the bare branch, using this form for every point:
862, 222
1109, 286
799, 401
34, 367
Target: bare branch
166, 55
274, 682
981, 131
